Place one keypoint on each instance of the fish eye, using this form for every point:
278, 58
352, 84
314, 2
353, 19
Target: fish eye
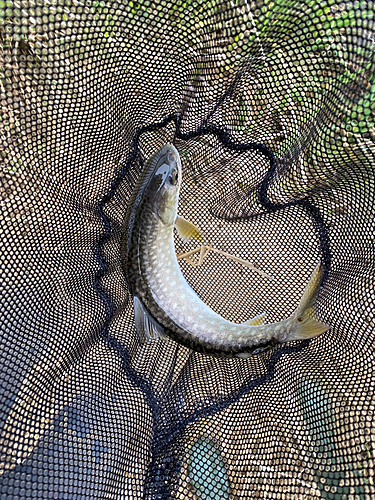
173, 177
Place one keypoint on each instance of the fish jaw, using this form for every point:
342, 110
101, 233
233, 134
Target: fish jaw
164, 186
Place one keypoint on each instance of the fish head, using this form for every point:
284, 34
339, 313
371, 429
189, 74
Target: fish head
164, 186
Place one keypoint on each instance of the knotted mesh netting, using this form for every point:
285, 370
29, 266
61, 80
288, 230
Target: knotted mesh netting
271, 107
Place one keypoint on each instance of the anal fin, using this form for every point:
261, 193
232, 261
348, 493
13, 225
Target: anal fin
147, 328
257, 320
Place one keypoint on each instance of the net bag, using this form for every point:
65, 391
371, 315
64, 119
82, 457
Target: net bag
271, 107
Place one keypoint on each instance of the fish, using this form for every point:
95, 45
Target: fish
165, 305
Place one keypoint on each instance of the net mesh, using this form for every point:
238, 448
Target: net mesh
271, 106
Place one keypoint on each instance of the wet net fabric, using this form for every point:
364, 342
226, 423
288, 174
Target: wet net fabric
271, 106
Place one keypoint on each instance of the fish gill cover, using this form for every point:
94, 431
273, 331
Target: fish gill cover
271, 107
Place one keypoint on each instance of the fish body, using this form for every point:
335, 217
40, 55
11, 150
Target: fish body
164, 303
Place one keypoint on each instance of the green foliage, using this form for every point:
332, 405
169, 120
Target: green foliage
319, 416
206, 471
321, 29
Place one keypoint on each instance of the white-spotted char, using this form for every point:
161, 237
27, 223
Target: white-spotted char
164, 302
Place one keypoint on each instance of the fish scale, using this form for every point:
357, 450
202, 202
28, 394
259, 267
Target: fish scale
151, 229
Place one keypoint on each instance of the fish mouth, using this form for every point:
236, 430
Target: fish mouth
171, 156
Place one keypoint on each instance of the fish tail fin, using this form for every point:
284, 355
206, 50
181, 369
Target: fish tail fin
303, 324
307, 327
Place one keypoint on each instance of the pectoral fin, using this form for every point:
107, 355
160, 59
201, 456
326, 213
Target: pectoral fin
257, 320
188, 231
147, 328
